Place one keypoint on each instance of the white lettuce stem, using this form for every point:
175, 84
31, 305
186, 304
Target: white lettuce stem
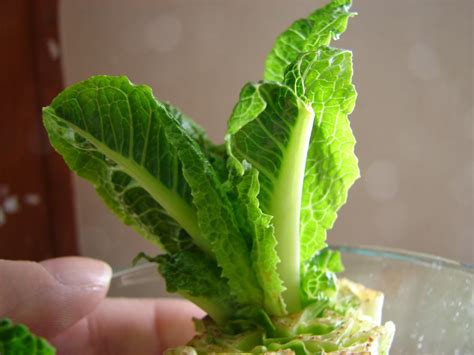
286, 206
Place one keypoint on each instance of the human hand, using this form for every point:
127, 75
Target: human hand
64, 301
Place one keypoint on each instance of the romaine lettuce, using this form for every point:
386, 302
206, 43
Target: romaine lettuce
243, 225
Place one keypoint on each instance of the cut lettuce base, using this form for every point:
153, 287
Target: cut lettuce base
349, 323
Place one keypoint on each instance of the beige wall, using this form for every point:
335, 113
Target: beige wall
413, 121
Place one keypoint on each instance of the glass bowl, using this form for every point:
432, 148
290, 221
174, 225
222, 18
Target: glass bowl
430, 299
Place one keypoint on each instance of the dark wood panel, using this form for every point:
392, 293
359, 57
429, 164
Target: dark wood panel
49, 81
36, 219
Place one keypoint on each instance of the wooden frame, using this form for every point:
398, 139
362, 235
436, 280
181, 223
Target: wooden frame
49, 78
33, 78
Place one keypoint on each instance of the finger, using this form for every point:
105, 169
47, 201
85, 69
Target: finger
52, 295
131, 326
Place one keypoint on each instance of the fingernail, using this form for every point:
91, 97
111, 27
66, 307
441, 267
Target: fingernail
79, 272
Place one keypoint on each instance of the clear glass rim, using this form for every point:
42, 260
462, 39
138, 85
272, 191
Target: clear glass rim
146, 272
404, 255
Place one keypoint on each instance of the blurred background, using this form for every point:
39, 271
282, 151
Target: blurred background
414, 72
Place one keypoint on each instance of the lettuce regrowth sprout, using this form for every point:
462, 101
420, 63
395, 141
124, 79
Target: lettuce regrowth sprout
243, 224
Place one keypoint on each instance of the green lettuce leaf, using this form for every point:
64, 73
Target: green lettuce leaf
299, 139
270, 129
307, 34
323, 79
138, 154
216, 219
215, 153
264, 255
112, 133
17, 340
297, 135
318, 275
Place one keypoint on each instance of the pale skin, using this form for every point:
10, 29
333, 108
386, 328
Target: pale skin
64, 300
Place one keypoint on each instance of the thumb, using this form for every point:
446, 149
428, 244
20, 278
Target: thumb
52, 295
